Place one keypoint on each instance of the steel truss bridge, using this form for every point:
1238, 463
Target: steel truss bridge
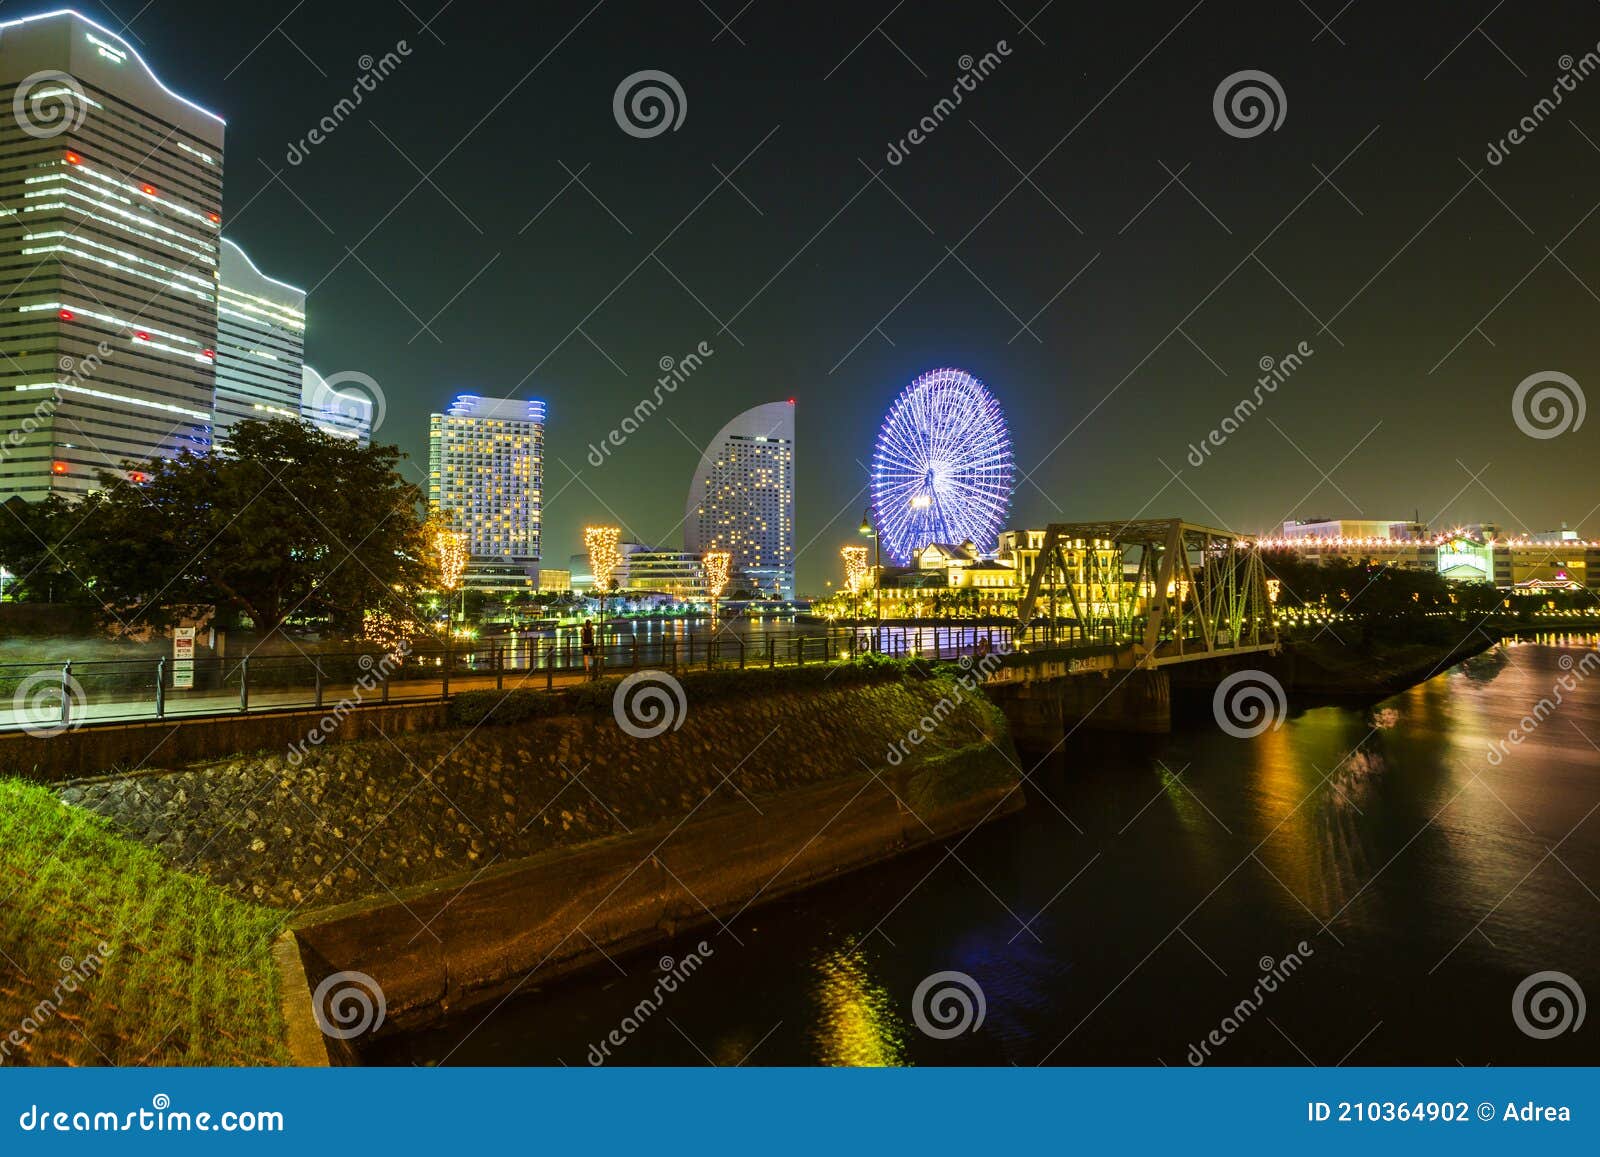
1161, 591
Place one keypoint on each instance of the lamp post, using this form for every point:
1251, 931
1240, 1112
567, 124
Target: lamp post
877, 573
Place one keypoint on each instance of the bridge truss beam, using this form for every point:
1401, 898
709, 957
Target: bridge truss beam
1194, 592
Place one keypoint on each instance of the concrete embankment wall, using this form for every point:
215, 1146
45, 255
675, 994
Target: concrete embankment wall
1048, 703
473, 938
534, 830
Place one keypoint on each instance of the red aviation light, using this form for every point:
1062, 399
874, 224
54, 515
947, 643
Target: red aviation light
137, 476
142, 336
215, 218
73, 158
58, 467
148, 190
66, 315
208, 354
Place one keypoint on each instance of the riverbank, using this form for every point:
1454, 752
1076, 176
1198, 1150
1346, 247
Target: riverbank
541, 831
517, 774
1121, 915
1326, 668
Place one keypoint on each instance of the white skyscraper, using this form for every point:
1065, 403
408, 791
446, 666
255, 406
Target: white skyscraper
110, 213
344, 407
261, 326
742, 497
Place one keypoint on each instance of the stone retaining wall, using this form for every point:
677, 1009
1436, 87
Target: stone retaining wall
381, 815
475, 937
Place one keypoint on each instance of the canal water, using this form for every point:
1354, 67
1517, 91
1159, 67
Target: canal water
1361, 885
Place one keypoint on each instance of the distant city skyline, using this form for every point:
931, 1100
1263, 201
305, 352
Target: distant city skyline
1081, 233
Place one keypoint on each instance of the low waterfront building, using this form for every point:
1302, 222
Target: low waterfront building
1524, 563
1354, 528
675, 572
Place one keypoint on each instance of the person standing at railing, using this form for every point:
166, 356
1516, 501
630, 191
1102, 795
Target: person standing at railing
587, 639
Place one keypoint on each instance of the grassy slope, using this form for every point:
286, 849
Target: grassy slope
188, 978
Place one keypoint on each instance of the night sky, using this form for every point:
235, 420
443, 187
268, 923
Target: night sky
821, 271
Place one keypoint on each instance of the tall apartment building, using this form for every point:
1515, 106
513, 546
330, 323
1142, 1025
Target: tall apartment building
742, 498
485, 474
261, 328
110, 215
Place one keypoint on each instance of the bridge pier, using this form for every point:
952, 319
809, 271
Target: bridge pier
1042, 711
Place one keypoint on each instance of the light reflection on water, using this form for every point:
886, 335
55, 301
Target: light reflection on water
856, 1021
1381, 835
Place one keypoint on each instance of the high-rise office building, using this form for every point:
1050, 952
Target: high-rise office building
341, 406
261, 327
742, 498
110, 212
485, 474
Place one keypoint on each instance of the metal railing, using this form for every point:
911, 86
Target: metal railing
48, 696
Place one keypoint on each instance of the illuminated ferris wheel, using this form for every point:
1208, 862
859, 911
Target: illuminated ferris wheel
942, 469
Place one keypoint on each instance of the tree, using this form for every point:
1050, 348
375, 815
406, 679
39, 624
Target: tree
33, 548
295, 522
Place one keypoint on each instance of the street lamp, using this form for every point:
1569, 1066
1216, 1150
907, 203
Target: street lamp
877, 571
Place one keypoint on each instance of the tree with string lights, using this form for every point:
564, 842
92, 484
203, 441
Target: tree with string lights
716, 564
604, 558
